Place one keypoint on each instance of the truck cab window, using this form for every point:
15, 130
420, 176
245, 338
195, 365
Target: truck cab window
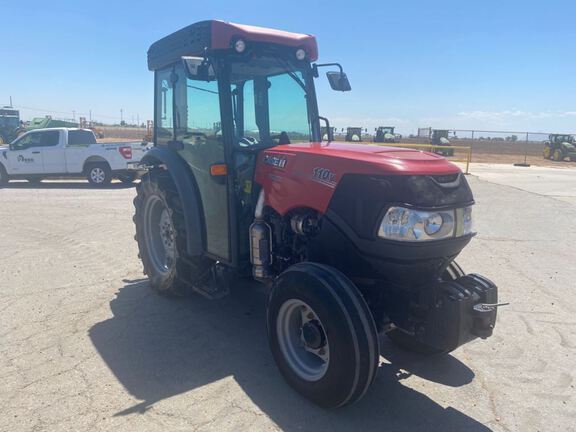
81, 137
49, 138
27, 141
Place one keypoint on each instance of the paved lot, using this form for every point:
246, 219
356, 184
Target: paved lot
85, 345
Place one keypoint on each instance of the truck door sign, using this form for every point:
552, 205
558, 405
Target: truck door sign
23, 159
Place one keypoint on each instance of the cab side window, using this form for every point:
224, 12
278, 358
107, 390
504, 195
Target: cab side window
30, 140
49, 138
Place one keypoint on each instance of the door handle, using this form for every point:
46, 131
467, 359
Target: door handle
35, 152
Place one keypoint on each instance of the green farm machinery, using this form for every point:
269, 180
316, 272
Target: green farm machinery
559, 147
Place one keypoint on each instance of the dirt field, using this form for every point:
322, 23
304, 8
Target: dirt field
85, 345
503, 152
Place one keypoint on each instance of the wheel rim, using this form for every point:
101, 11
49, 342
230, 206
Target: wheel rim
302, 340
97, 175
159, 235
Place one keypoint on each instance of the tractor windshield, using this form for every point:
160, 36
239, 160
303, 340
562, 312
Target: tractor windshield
269, 102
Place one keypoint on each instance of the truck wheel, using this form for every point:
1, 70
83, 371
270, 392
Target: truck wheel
4, 179
161, 237
407, 341
127, 178
322, 335
99, 174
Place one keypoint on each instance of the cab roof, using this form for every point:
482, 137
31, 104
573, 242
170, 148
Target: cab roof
216, 35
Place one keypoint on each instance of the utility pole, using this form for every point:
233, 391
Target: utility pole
138, 120
73, 115
121, 115
90, 116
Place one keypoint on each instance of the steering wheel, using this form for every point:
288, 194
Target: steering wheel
247, 141
282, 138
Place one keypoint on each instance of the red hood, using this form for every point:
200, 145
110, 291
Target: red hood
373, 159
305, 175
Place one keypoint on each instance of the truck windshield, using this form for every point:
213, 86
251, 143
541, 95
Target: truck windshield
269, 102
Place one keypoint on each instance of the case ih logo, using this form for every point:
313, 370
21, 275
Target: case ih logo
324, 176
277, 161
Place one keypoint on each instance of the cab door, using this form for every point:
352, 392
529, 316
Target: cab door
25, 155
193, 106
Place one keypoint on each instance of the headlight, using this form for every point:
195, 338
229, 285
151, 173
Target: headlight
239, 46
405, 224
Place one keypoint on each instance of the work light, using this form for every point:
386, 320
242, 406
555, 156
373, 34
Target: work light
300, 54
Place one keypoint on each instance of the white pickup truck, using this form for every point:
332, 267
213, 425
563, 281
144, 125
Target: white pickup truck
61, 152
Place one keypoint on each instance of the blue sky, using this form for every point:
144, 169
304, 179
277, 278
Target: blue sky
504, 65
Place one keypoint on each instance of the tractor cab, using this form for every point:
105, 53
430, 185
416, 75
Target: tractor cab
9, 124
385, 134
559, 147
354, 134
223, 93
440, 137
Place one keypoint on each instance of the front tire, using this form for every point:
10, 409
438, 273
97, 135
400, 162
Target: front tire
161, 237
558, 155
322, 335
408, 341
99, 174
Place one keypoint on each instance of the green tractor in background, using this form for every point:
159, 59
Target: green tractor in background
559, 147
385, 134
49, 122
354, 134
440, 138
9, 124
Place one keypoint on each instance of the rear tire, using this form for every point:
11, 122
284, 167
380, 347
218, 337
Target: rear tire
161, 236
322, 335
407, 341
547, 152
99, 174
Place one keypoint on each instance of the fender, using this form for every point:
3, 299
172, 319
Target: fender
188, 192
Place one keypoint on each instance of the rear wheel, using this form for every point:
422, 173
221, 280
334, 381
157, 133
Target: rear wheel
408, 341
322, 335
99, 174
161, 237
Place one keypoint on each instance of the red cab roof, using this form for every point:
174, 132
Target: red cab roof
216, 35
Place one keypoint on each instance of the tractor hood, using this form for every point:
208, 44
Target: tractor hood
307, 174
352, 158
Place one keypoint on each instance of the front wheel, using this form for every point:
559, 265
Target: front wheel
99, 174
322, 335
558, 155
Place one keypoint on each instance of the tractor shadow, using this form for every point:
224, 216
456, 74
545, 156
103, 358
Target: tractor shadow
159, 347
65, 184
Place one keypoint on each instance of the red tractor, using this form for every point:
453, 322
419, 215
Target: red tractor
351, 240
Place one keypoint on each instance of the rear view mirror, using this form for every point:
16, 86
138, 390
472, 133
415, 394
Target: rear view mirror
198, 68
338, 81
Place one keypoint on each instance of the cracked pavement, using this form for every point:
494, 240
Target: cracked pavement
85, 344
